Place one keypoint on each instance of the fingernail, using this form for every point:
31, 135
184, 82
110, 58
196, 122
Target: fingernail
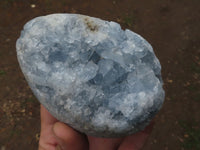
58, 147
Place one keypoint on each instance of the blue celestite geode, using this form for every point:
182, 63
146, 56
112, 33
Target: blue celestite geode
91, 74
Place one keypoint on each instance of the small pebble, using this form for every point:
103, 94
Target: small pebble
33, 5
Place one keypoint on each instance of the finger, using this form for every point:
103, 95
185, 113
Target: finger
136, 141
46, 118
68, 138
96, 143
46, 147
47, 139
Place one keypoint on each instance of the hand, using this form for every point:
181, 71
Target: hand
56, 135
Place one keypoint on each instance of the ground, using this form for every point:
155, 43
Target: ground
171, 26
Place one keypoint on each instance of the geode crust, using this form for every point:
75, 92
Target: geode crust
91, 74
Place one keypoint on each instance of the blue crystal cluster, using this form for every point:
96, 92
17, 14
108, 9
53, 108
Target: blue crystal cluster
91, 74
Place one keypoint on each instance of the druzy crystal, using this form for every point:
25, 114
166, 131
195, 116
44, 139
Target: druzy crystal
91, 74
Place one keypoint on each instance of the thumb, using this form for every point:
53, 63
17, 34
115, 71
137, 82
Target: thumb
68, 138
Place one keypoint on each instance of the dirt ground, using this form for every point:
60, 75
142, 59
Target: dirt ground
171, 26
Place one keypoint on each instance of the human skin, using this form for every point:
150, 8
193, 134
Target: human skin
56, 135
